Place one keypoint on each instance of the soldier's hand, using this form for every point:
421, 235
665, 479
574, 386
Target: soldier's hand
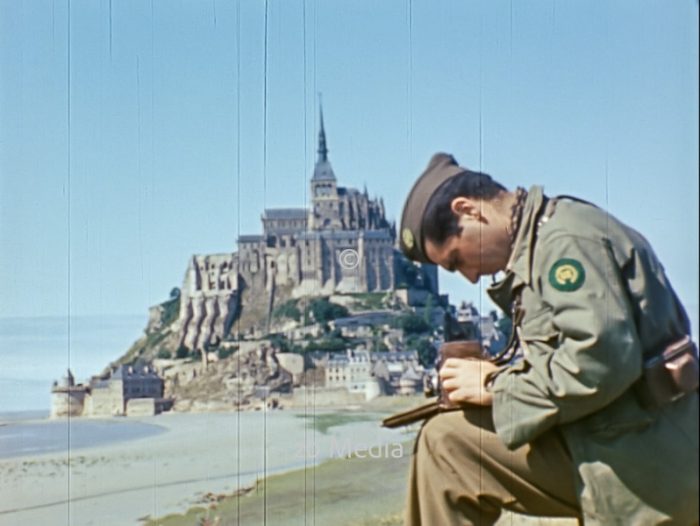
463, 380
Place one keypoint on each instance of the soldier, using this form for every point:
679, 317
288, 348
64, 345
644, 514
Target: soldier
571, 426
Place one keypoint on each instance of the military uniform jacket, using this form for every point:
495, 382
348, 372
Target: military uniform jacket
595, 302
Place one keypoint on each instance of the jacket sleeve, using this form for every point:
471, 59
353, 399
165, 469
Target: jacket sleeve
587, 352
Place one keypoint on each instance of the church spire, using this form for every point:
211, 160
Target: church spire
323, 170
322, 149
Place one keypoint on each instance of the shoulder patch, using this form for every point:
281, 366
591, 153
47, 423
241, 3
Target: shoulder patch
567, 275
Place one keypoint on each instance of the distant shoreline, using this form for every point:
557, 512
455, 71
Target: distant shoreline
26, 415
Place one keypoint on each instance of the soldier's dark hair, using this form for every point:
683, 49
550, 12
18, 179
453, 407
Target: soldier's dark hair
439, 221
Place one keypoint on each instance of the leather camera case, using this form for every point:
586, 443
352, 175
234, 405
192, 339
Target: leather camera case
455, 349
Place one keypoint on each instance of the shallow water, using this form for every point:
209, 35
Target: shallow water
36, 438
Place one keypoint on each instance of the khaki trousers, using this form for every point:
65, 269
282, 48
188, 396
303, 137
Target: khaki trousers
461, 473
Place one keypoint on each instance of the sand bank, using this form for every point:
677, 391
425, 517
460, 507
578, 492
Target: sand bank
120, 483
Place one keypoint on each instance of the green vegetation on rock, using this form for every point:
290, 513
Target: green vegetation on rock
331, 344
322, 310
147, 346
225, 352
370, 300
412, 323
289, 310
160, 342
283, 344
171, 310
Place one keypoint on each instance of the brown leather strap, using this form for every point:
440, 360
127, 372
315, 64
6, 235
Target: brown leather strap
416, 414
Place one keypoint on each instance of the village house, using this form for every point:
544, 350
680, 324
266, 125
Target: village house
372, 373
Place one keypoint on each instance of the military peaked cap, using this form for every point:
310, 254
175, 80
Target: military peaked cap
440, 168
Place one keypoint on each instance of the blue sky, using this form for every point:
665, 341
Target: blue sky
134, 134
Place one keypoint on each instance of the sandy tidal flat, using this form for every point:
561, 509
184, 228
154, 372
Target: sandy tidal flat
120, 483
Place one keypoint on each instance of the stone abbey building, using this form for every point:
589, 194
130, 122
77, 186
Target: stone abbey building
342, 244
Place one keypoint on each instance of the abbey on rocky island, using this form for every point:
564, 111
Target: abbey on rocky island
342, 244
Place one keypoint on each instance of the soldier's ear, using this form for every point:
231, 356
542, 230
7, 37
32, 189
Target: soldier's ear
463, 206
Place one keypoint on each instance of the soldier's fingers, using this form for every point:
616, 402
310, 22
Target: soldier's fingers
452, 363
447, 373
458, 395
450, 385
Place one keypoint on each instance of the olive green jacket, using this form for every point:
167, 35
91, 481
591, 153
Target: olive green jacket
595, 301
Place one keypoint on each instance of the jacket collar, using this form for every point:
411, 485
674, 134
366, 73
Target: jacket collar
519, 267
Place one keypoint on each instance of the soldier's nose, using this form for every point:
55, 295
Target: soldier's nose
471, 277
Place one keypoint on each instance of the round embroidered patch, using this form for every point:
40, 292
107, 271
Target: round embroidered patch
407, 237
567, 275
